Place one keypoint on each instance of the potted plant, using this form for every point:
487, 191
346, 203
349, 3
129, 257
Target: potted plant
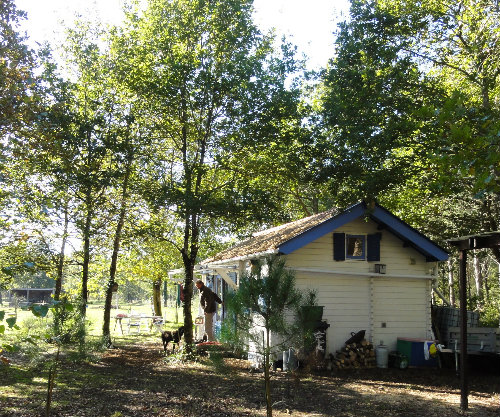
311, 312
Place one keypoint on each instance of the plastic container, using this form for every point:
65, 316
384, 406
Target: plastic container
382, 355
289, 360
398, 360
217, 328
415, 350
311, 316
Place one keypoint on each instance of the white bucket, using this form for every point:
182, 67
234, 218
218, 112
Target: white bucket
382, 355
289, 360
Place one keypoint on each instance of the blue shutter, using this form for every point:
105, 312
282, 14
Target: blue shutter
339, 246
373, 247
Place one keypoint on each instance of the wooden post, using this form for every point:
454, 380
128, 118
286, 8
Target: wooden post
464, 389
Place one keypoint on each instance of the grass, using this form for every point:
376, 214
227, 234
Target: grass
34, 329
95, 314
30, 363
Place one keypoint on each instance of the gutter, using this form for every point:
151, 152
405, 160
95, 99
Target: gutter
362, 274
243, 257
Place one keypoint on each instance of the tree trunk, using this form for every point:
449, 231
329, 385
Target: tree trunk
188, 296
478, 278
157, 297
267, 375
498, 273
451, 282
106, 333
60, 261
86, 255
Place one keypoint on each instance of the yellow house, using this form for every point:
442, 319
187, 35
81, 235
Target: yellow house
371, 270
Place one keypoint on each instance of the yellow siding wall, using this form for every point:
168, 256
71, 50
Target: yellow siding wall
345, 301
319, 254
404, 306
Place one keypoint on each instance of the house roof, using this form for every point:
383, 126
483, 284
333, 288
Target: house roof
289, 237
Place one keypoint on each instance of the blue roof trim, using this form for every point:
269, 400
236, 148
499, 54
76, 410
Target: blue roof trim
379, 214
408, 233
322, 229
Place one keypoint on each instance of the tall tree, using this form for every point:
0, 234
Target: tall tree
214, 90
17, 92
127, 150
372, 135
458, 45
16, 64
411, 102
76, 138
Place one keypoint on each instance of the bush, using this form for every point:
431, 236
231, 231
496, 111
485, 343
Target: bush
490, 315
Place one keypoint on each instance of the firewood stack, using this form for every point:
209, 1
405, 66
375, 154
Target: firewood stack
354, 355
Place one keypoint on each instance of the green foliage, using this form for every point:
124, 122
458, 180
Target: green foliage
408, 102
183, 355
58, 324
4, 345
490, 315
16, 78
232, 333
212, 92
25, 264
266, 296
69, 324
10, 321
372, 136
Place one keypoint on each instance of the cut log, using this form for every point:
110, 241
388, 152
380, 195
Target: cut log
354, 355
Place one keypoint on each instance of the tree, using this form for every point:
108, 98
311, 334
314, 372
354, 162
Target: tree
410, 102
126, 164
370, 100
458, 46
16, 78
18, 104
214, 89
75, 139
266, 298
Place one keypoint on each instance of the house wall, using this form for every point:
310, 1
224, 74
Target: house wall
346, 304
319, 254
403, 307
356, 300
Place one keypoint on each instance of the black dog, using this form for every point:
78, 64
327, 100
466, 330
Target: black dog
171, 336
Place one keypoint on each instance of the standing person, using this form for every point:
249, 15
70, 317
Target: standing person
207, 301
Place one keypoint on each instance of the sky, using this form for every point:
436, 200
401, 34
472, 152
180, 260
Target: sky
309, 24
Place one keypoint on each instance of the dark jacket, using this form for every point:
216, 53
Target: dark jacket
208, 299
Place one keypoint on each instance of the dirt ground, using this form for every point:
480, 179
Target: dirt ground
137, 381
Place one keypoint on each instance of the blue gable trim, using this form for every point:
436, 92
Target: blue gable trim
407, 233
379, 214
322, 229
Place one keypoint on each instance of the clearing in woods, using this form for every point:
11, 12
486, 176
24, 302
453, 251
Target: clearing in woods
135, 380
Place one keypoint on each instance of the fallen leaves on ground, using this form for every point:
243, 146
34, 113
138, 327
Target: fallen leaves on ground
137, 381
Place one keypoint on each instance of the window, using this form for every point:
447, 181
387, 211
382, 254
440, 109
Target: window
355, 247
360, 247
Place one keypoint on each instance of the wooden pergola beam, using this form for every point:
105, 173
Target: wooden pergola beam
464, 372
482, 241
463, 244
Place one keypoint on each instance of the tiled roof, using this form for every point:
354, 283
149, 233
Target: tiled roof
270, 239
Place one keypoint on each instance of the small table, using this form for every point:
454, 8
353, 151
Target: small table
155, 320
118, 319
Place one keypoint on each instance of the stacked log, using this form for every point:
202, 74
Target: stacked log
355, 355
